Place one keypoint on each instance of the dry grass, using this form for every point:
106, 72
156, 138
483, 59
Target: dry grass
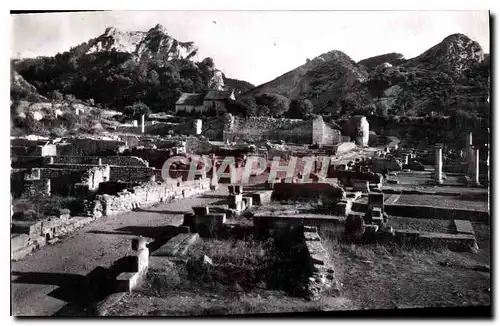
378, 277
248, 253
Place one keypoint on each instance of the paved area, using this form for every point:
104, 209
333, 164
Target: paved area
36, 278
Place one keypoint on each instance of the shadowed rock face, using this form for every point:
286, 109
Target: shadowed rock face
451, 72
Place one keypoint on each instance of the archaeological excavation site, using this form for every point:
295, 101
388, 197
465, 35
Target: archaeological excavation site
165, 188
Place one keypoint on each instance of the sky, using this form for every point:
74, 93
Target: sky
258, 46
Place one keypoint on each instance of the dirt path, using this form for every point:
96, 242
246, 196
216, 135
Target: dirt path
37, 278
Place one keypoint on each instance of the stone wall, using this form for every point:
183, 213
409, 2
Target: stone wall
131, 173
105, 160
323, 134
254, 129
42, 231
62, 181
323, 277
151, 193
353, 175
358, 129
36, 161
88, 147
307, 191
36, 187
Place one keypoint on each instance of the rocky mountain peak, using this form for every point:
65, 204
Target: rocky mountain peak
455, 54
158, 29
154, 43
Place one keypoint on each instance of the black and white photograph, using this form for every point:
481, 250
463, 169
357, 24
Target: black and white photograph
250, 163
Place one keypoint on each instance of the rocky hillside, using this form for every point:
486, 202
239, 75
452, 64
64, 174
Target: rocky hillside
391, 58
325, 80
21, 89
450, 77
118, 69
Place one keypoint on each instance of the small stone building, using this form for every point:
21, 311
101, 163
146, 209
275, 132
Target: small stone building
202, 102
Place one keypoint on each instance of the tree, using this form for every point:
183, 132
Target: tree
136, 110
300, 109
56, 95
249, 101
276, 104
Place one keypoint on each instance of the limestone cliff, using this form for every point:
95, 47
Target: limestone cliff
154, 43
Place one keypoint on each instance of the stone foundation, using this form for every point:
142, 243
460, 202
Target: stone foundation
322, 274
151, 193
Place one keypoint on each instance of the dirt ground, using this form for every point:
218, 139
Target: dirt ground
45, 281
371, 276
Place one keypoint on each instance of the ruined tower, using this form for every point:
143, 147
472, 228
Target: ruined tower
358, 129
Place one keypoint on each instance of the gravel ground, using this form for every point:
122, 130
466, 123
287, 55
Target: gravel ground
101, 243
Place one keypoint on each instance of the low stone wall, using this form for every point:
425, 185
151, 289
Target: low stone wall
378, 165
43, 231
307, 191
322, 273
371, 177
95, 160
131, 173
151, 193
88, 147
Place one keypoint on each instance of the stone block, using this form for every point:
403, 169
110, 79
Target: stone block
463, 226
262, 197
234, 201
189, 220
127, 281
142, 260
210, 223
178, 245
371, 228
183, 229
201, 210
362, 186
310, 228
311, 236
238, 189
248, 202
139, 243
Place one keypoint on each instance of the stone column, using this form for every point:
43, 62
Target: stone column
476, 165
469, 155
438, 165
405, 158
142, 124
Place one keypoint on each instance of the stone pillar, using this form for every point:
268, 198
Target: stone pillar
405, 158
476, 165
142, 124
469, 154
438, 166
197, 126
